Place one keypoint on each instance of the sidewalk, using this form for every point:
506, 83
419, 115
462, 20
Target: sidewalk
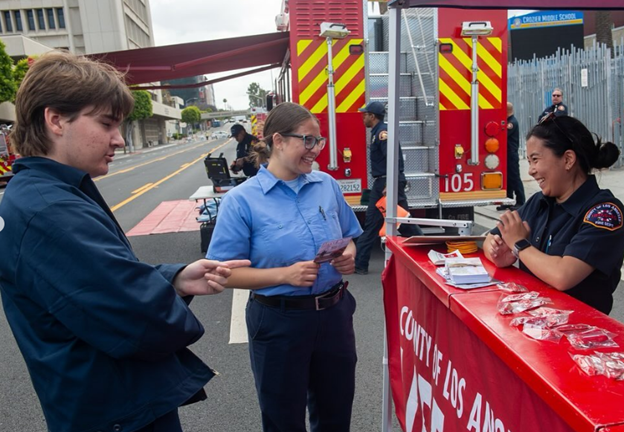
612, 179
120, 154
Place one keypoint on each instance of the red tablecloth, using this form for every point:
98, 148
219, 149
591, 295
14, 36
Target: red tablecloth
456, 364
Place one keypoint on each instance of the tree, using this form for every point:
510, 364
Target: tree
257, 95
191, 115
19, 71
142, 110
7, 82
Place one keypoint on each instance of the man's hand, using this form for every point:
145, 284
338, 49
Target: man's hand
204, 277
302, 274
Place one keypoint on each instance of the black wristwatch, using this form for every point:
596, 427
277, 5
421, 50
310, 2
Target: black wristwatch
519, 246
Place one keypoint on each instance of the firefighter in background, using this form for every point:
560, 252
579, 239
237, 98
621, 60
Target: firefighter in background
514, 182
373, 116
557, 106
243, 150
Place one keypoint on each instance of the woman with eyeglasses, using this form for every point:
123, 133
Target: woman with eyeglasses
299, 314
570, 235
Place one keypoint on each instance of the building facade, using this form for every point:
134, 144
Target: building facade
86, 27
80, 26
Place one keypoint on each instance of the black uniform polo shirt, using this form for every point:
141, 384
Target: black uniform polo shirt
559, 110
379, 150
587, 226
243, 149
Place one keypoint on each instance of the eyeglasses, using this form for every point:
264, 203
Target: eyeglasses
552, 117
556, 95
309, 141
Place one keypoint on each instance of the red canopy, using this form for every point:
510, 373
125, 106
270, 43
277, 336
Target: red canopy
514, 4
152, 64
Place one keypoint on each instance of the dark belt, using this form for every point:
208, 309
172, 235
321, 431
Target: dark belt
320, 302
379, 177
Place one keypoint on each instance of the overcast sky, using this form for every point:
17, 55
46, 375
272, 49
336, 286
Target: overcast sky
177, 22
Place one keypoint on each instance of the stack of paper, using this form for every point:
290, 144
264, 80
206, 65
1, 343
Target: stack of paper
466, 271
439, 258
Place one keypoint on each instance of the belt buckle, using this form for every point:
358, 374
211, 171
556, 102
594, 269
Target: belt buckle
316, 303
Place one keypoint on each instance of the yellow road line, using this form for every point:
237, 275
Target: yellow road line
125, 170
149, 186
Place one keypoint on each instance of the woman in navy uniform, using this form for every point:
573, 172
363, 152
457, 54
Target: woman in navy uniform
570, 235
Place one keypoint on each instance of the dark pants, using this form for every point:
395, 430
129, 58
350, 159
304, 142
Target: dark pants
303, 358
514, 182
374, 221
168, 423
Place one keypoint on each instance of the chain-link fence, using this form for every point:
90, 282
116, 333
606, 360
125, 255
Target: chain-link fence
592, 81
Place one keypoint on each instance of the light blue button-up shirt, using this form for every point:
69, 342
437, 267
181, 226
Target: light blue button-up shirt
265, 221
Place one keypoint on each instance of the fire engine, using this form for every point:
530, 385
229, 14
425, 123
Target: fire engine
7, 155
452, 97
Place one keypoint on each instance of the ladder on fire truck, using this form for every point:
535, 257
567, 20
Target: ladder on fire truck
417, 113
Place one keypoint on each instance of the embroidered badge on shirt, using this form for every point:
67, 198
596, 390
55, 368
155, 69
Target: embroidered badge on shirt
605, 215
561, 108
383, 135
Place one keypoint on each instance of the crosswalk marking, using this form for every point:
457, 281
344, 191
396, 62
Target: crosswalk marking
238, 327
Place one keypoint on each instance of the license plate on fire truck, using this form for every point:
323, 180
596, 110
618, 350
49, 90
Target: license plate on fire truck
350, 186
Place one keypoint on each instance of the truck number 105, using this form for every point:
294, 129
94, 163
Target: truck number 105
459, 183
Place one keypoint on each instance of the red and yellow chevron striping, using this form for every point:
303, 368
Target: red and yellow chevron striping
349, 79
455, 73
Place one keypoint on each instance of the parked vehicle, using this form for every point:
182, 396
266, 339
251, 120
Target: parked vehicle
219, 135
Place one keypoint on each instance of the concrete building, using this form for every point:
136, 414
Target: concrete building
31, 27
80, 26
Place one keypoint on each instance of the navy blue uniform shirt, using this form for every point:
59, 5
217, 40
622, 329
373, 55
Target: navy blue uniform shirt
242, 150
587, 226
379, 150
513, 137
104, 336
559, 110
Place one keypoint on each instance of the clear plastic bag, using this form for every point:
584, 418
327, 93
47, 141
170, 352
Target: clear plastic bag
519, 297
511, 287
513, 307
610, 365
549, 321
540, 332
593, 338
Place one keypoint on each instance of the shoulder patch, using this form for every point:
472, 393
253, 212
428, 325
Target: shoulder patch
561, 108
510, 125
383, 135
605, 215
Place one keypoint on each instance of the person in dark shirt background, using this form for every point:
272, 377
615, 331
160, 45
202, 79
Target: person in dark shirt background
514, 181
243, 151
557, 107
373, 117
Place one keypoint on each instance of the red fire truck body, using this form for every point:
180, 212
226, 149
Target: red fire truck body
438, 131
7, 156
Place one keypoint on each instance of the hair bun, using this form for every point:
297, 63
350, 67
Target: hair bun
608, 154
